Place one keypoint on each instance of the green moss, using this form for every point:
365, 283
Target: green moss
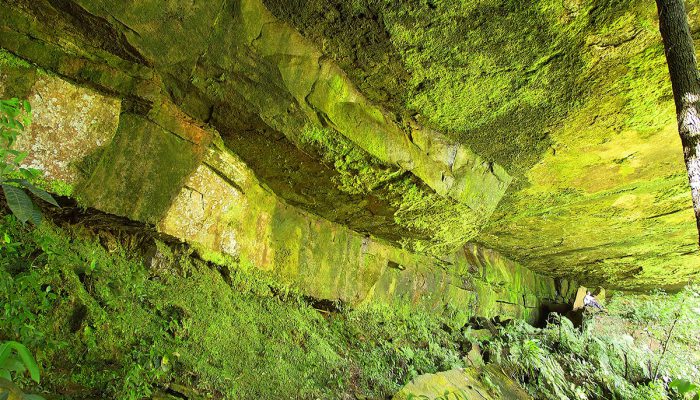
8, 59
436, 224
609, 202
56, 186
471, 74
18, 76
446, 223
647, 89
111, 323
359, 173
499, 77
89, 163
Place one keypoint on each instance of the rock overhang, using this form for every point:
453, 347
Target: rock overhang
572, 98
167, 169
269, 92
262, 86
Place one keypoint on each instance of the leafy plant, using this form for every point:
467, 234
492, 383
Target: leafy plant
15, 115
684, 387
11, 364
16, 359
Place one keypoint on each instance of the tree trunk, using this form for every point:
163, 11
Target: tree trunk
685, 79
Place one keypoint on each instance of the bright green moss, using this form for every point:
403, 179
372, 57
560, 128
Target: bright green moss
447, 223
499, 77
438, 224
359, 173
110, 322
8, 59
647, 89
56, 186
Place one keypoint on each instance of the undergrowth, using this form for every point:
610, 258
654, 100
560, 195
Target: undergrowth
116, 315
107, 321
615, 355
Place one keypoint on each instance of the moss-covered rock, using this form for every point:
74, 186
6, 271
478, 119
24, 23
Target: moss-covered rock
69, 122
406, 122
164, 168
463, 384
249, 72
572, 98
141, 171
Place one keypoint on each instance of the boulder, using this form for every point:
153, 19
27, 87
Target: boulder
463, 384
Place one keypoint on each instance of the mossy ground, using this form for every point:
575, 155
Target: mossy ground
116, 314
105, 321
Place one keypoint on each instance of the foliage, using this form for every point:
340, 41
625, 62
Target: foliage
16, 364
613, 356
14, 116
683, 387
651, 316
110, 315
117, 324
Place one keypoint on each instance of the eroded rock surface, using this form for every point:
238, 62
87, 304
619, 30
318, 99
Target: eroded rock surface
572, 98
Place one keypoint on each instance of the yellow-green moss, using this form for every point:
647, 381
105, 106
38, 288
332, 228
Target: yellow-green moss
359, 173
118, 324
10, 60
438, 225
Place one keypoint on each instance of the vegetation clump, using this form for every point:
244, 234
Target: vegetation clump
15, 115
631, 352
110, 315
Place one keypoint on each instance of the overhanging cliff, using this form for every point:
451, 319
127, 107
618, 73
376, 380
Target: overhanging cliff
277, 133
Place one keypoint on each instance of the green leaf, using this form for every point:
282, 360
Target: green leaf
21, 205
13, 365
5, 375
5, 352
32, 397
42, 194
27, 359
4, 395
27, 106
20, 156
26, 173
683, 386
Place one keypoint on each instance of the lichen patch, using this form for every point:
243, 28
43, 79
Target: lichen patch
69, 122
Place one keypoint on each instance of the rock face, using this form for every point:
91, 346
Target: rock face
268, 132
572, 98
167, 169
287, 111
